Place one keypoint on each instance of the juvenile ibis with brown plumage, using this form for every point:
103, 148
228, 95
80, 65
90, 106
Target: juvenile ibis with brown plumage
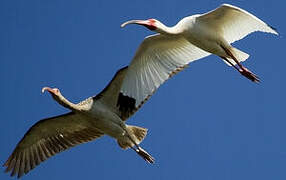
88, 120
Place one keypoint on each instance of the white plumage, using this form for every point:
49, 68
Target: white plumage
234, 23
194, 37
157, 58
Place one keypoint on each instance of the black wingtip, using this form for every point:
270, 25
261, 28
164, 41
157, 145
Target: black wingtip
273, 28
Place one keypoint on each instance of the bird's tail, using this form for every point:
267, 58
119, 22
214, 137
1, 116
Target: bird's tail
137, 133
240, 56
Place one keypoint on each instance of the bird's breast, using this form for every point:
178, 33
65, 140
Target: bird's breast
106, 120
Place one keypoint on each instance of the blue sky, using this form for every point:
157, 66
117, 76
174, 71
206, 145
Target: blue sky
208, 122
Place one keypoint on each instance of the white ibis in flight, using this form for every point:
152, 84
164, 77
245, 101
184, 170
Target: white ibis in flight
157, 59
192, 38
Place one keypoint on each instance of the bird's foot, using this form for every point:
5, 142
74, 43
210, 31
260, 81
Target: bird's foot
147, 157
249, 75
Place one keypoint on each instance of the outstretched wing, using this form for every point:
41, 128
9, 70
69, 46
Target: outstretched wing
157, 59
111, 93
233, 23
47, 138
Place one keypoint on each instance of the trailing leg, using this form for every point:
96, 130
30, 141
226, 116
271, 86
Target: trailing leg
243, 70
133, 137
144, 154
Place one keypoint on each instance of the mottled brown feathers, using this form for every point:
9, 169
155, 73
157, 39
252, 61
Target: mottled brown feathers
35, 148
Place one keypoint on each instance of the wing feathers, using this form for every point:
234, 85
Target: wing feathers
110, 93
234, 23
157, 59
40, 143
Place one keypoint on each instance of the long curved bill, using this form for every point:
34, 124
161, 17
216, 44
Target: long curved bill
141, 22
46, 89
50, 90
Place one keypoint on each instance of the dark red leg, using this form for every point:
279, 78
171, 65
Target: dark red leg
243, 70
250, 75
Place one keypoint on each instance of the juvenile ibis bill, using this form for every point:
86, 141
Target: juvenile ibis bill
88, 120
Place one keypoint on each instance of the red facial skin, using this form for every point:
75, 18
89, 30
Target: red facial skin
151, 24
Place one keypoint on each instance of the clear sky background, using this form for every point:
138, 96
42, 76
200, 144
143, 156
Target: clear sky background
208, 122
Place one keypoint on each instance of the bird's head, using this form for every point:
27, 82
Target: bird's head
55, 92
151, 24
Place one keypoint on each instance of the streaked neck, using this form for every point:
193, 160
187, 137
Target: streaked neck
67, 104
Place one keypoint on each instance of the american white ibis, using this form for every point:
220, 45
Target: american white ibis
88, 120
192, 38
158, 58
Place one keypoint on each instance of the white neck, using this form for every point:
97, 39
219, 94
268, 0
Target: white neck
163, 29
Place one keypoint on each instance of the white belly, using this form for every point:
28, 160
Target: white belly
207, 39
